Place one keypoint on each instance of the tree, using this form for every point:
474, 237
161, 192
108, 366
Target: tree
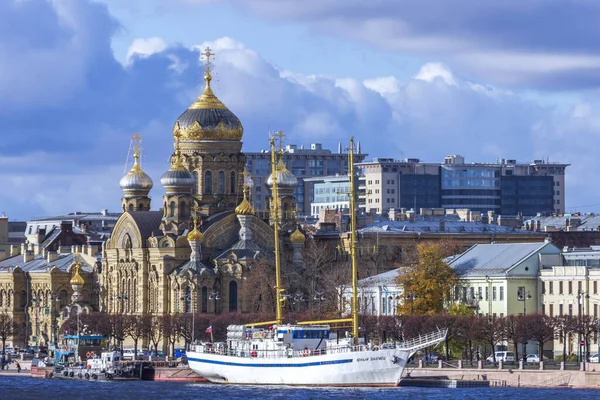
7, 328
512, 331
429, 283
564, 325
490, 330
588, 327
156, 330
135, 328
540, 328
258, 289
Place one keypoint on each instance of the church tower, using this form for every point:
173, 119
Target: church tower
177, 201
210, 136
136, 184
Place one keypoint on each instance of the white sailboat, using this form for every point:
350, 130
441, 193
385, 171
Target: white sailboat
307, 353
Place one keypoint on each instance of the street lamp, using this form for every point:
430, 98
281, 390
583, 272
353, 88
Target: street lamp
214, 295
54, 299
319, 296
188, 298
580, 296
524, 296
36, 303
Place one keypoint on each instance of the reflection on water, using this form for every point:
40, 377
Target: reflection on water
22, 387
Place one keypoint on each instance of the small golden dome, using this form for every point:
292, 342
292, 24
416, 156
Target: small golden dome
195, 235
77, 279
297, 236
244, 208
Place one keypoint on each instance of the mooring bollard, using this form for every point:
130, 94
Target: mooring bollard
499, 364
521, 364
541, 365
460, 364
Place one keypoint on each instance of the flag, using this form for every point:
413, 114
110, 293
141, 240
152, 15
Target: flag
209, 329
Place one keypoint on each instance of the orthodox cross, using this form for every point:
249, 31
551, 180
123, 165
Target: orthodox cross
208, 66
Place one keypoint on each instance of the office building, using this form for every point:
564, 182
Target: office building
505, 187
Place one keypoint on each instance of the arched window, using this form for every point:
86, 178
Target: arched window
23, 299
182, 210
196, 191
187, 300
204, 299
233, 296
172, 209
208, 182
221, 183
64, 298
2, 298
134, 301
131, 207
232, 182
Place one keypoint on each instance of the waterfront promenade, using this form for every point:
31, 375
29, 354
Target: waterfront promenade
533, 376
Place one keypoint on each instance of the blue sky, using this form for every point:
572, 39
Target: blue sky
419, 79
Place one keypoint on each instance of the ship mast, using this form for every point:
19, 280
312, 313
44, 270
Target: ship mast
353, 244
279, 299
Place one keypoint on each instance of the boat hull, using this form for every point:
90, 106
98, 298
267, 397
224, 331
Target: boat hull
359, 368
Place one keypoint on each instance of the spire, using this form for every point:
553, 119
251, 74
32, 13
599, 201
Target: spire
195, 235
177, 165
245, 208
208, 66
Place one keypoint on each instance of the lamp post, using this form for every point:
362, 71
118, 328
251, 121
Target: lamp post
524, 296
214, 295
582, 349
188, 298
319, 296
36, 303
54, 298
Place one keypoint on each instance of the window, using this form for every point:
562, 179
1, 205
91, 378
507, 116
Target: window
195, 173
221, 183
595, 287
204, 299
487, 293
570, 285
472, 294
551, 310
560, 288
560, 309
501, 293
232, 182
208, 182
464, 294
172, 209
479, 297
579, 287
571, 309
494, 293
551, 287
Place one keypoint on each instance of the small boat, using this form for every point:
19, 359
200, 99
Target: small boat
107, 366
306, 353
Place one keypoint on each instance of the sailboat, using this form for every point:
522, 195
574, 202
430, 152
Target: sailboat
306, 353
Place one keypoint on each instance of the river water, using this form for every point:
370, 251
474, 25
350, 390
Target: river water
23, 387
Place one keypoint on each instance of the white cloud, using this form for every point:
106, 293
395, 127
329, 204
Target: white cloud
145, 47
431, 71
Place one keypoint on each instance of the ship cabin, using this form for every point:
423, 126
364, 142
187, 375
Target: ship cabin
75, 348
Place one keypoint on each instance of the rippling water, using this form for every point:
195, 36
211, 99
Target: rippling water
21, 387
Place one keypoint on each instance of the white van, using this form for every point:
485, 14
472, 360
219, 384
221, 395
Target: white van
507, 357
128, 354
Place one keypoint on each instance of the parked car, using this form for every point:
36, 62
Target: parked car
432, 357
507, 357
594, 358
161, 356
535, 359
128, 354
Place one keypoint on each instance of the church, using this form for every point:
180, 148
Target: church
193, 254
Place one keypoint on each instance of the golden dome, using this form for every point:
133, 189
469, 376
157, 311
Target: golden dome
208, 118
297, 236
77, 279
244, 208
195, 235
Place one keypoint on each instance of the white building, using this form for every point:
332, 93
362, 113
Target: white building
329, 193
377, 295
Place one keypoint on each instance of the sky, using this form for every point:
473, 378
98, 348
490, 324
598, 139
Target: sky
420, 79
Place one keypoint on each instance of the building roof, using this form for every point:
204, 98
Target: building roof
146, 221
79, 216
494, 259
575, 222
449, 226
388, 277
40, 263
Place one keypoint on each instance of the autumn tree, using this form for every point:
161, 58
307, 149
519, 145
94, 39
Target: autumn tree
427, 284
7, 328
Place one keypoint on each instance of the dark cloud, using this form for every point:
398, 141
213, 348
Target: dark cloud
66, 123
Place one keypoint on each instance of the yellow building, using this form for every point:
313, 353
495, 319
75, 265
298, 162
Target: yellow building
191, 256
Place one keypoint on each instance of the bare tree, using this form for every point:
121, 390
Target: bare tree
257, 290
156, 330
135, 328
7, 329
512, 331
491, 331
564, 325
540, 328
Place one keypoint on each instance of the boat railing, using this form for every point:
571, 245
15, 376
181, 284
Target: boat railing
423, 341
283, 353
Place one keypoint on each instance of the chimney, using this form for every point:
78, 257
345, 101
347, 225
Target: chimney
51, 256
92, 250
66, 226
28, 256
538, 225
15, 250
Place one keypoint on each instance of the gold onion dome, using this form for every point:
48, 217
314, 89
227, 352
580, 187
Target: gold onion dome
244, 208
136, 180
297, 236
195, 235
284, 177
208, 118
77, 279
